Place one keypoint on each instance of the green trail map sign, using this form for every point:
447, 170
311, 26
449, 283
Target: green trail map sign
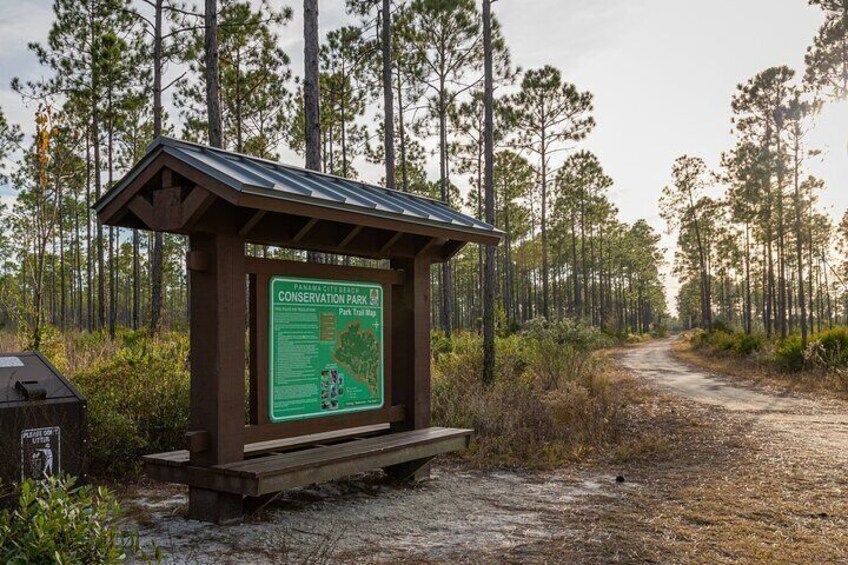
326, 348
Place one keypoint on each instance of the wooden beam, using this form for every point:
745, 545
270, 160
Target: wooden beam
252, 221
349, 216
167, 205
411, 345
279, 229
197, 441
143, 211
429, 245
451, 248
194, 205
266, 432
307, 227
167, 178
197, 261
353, 232
217, 354
384, 250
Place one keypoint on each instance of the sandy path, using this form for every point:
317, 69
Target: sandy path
816, 427
460, 516
810, 422
654, 361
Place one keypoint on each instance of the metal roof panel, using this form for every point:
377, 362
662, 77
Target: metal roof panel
246, 173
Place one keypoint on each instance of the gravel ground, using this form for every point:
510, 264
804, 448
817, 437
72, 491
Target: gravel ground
458, 516
720, 472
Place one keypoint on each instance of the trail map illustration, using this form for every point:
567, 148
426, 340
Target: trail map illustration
326, 347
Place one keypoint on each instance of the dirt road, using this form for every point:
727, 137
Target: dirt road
725, 474
768, 484
654, 361
816, 425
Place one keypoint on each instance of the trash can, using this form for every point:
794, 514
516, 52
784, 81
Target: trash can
42, 420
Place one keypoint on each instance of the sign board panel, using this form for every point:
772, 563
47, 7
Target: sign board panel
41, 451
325, 348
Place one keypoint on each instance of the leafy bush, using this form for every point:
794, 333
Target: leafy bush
789, 354
659, 330
746, 344
700, 338
138, 401
727, 339
53, 521
560, 350
720, 325
722, 340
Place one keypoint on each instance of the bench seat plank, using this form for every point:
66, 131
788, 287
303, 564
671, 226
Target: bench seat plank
279, 464
180, 457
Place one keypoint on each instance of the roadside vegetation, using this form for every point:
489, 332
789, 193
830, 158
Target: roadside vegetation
556, 397
820, 365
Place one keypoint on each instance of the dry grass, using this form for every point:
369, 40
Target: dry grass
728, 500
550, 405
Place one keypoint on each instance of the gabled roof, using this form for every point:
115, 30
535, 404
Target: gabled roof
261, 177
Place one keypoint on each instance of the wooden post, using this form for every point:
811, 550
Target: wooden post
217, 366
411, 354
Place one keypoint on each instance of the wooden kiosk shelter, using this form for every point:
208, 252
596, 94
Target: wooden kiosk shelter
225, 200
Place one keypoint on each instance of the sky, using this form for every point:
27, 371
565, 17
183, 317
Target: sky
662, 72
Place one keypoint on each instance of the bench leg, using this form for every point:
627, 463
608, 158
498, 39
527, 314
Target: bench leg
213, 506
416, 470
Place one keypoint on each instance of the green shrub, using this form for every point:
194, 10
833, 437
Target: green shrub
700, 338
720, 325
746, 344
53, 521
138, 401
789, 354
722, 340
560, 351
726, 339
829, 349
659, 330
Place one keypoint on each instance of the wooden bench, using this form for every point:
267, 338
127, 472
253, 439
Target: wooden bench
180, 457
310, 462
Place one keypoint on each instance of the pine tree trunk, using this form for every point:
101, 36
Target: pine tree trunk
388, 107
113, 270
447, 279
489, 183
311, 93
799, 246
158, 242
544, 222
213, 99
